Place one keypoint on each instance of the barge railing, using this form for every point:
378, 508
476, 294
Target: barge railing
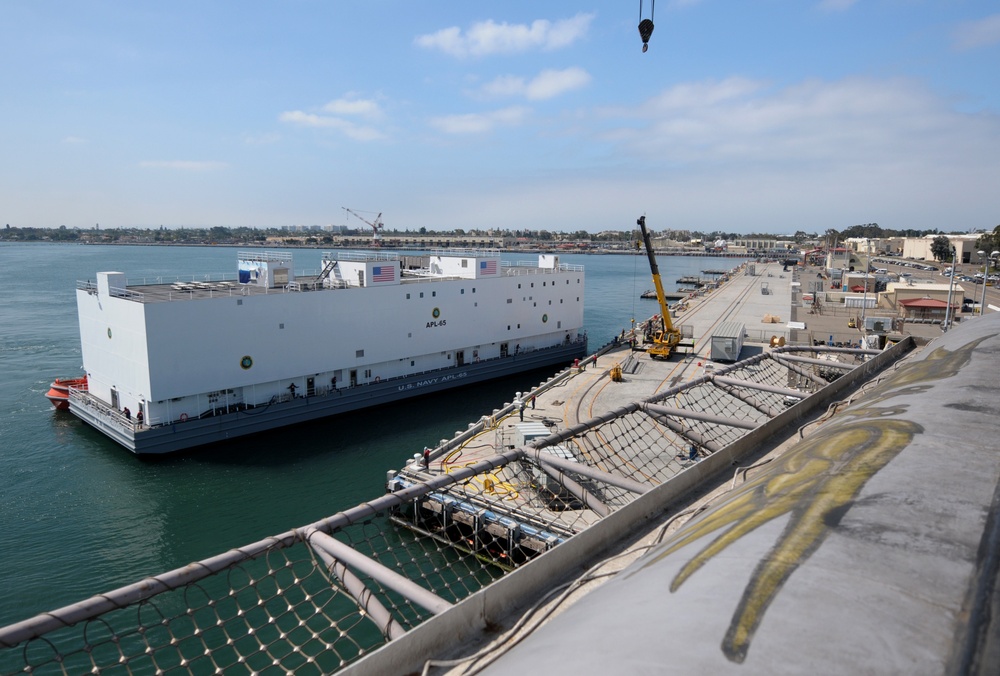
315, 599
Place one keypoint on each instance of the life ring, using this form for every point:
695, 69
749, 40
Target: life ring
377, 380
184, 417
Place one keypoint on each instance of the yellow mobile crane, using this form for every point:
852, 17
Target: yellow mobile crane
667, 338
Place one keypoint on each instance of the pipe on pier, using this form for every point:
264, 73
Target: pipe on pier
384, 576
387, 624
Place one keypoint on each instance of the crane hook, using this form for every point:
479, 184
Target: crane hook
645, 30
646, 25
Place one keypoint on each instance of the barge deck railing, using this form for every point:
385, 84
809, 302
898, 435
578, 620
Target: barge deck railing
316, 599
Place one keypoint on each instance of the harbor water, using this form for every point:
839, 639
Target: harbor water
80, 515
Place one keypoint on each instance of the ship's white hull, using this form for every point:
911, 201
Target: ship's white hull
214, 428
210, 361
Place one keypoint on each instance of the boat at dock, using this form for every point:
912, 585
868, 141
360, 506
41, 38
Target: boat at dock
690, 279
669, 295
208, 360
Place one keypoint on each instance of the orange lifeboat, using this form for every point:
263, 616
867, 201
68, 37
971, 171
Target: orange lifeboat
58, 392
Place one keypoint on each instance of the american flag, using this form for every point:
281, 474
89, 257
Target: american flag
383, 273
487, 267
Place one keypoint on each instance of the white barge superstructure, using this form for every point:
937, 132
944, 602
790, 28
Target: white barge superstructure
207, 361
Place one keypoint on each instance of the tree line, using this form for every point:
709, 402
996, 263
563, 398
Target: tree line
248, 235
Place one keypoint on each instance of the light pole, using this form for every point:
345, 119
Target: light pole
986, 273
951, 285
864, 301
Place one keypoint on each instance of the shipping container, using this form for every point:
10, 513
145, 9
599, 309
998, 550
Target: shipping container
727, 341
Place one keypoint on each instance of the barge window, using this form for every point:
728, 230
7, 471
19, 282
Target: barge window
421, 294
463, 292
509, 301
407, 296
473, 289
359, 354
434, 294
281, 325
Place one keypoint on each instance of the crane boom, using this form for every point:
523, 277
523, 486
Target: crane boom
667, 338
376, 226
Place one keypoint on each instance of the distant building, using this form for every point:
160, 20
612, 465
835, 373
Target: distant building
843, 258
876, 246
920, 247
921, 301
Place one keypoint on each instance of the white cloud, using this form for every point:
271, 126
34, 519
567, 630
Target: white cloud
488, 37
183, 165
479, 123
503, 86
820, 126
982, 33
357, 107
699, 94
346, 127
546, 85
551, 83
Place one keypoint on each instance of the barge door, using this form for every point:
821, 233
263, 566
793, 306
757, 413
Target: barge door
460, 358
354, 377
310, 387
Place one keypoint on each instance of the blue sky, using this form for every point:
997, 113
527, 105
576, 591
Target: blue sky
743, 116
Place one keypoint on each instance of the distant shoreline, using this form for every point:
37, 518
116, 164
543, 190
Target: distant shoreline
584, 252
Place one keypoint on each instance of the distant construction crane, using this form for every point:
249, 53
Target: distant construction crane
376, 225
